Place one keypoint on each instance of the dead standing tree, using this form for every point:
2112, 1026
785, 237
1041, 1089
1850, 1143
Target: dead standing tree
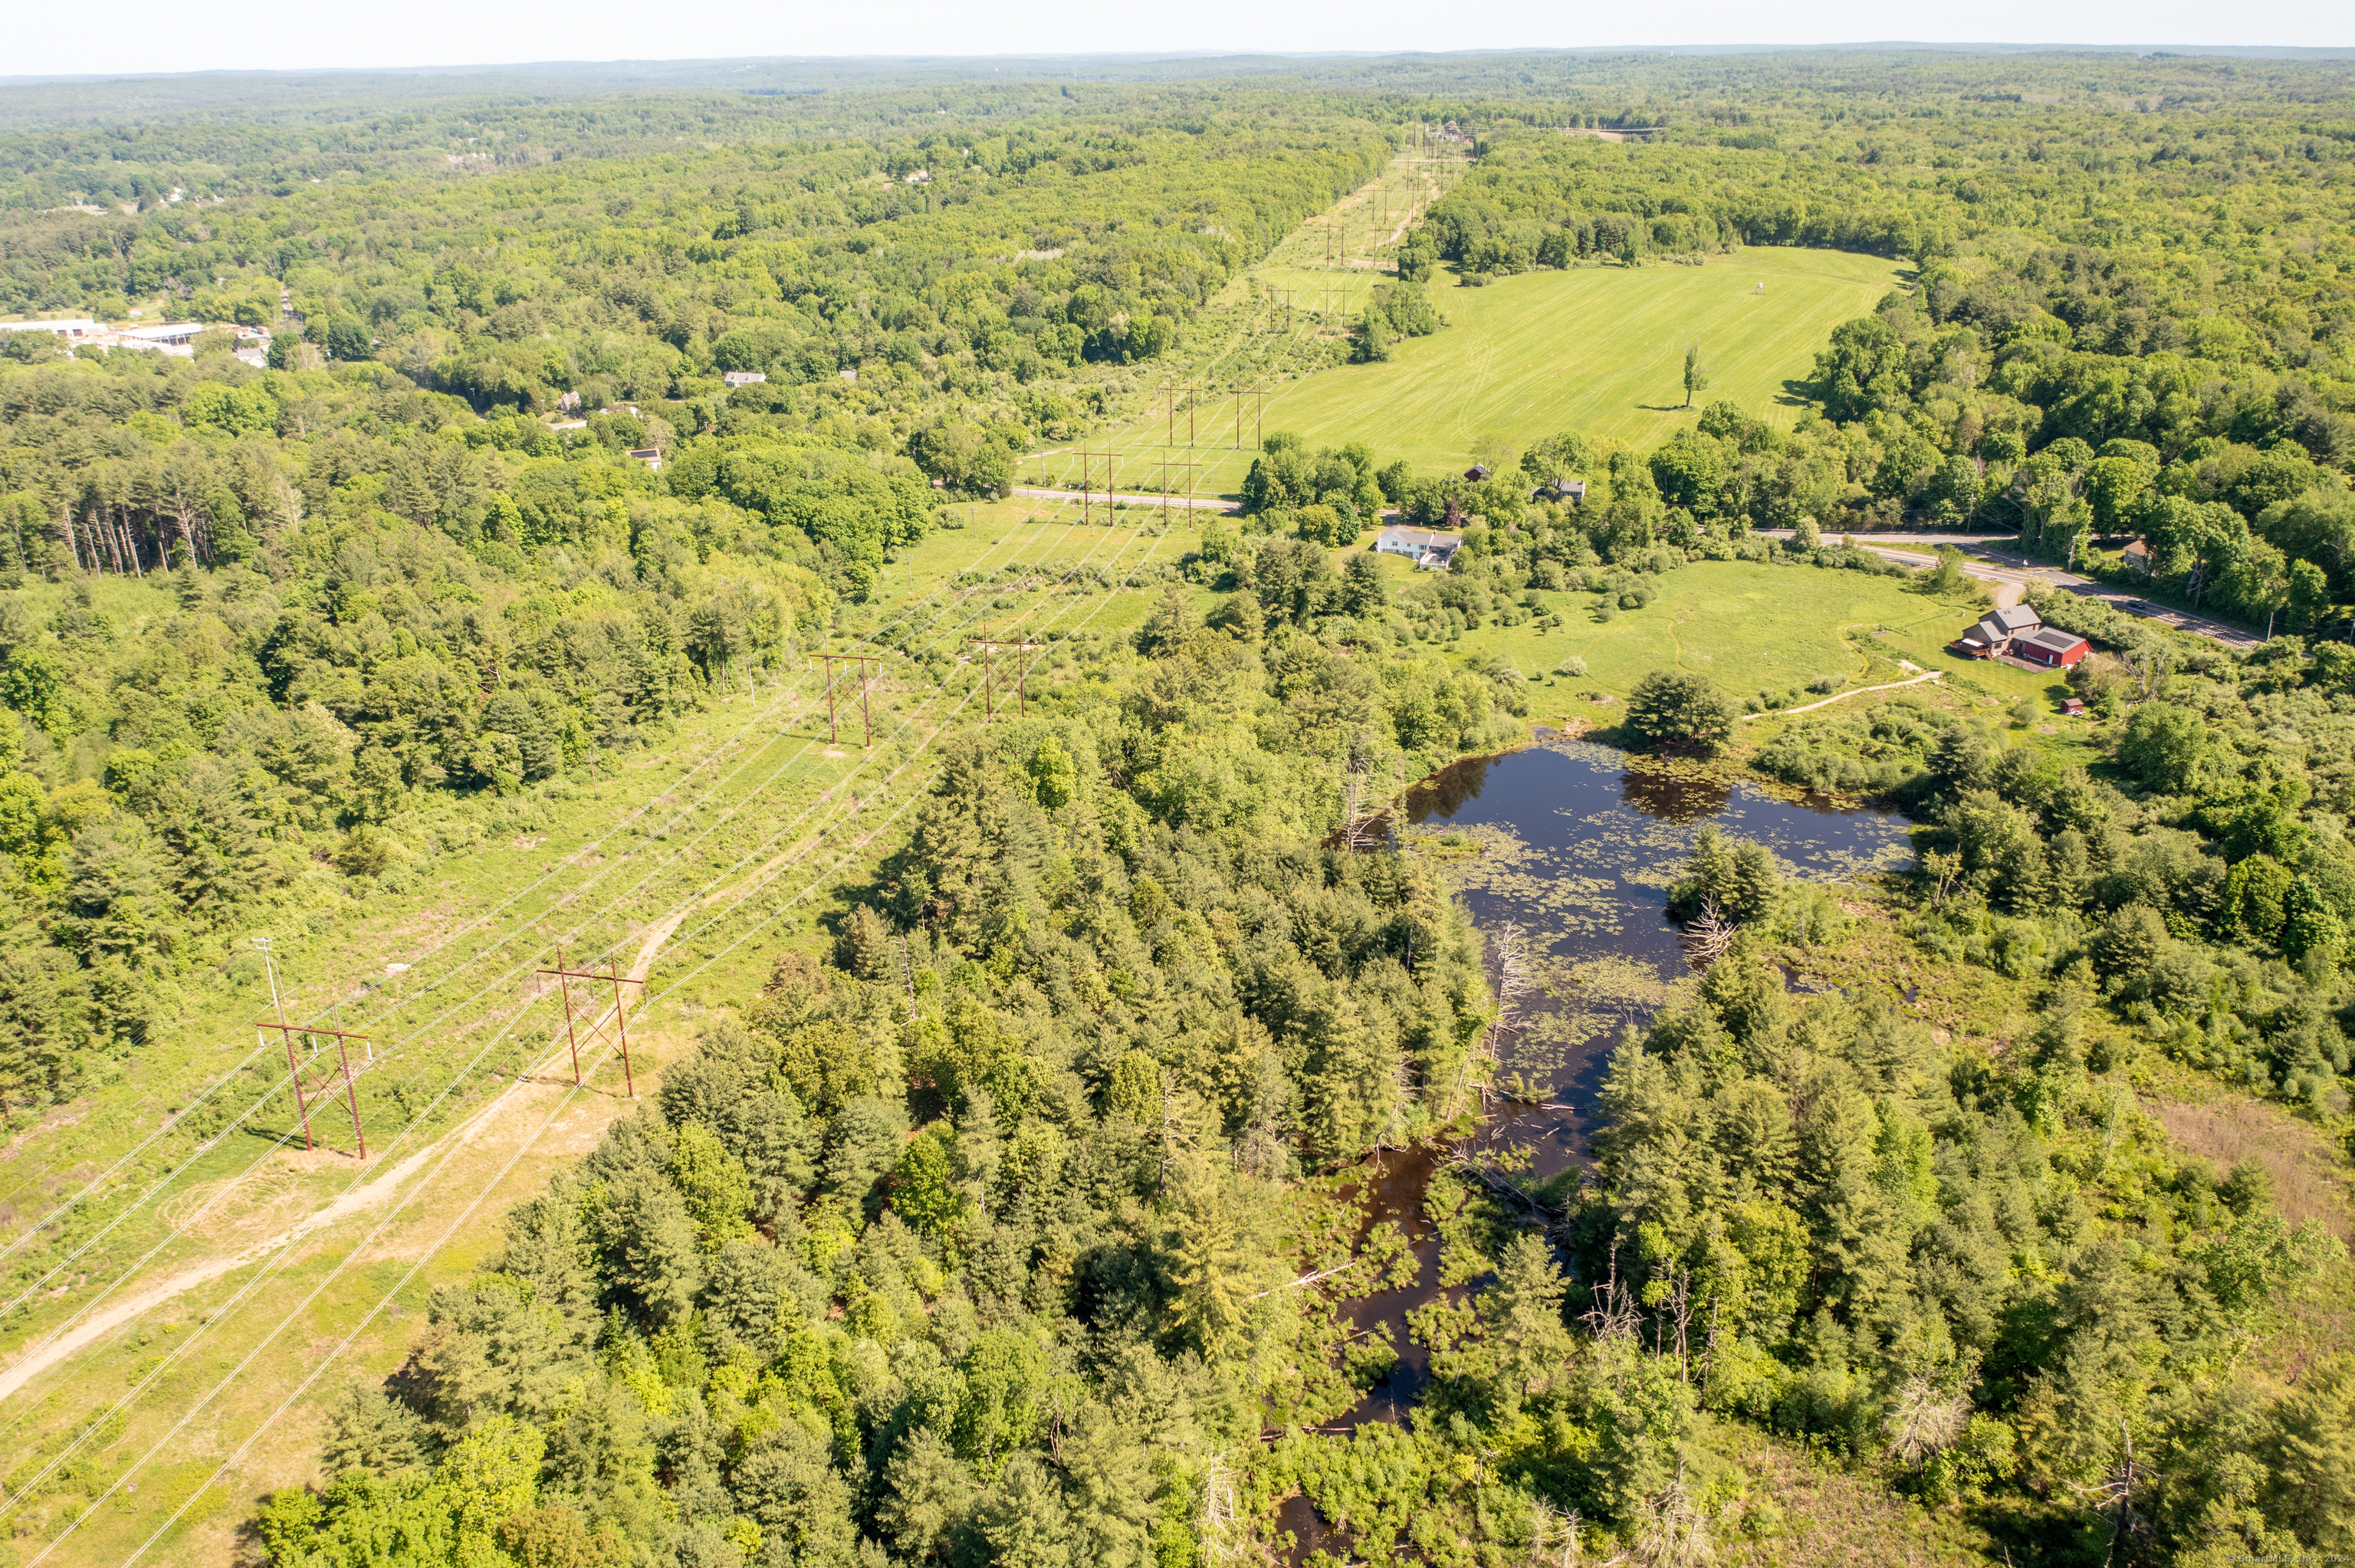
1707, 935
1512, 984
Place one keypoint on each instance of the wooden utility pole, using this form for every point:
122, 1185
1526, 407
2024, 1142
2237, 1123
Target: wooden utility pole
1259, 415
1166, 465
564, 981
1193, 408
866, 714
989, 652
1107, 457
297, 1066
565, 975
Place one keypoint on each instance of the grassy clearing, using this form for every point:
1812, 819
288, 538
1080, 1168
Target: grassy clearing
747, 884
1746, 626
1804, 1511
1597, 349
1751, 627
1283, 321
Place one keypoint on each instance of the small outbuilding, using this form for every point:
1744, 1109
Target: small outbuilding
1476, 473
2051, 647
1569, 491
650, 456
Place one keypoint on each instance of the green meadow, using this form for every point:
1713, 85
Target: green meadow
1596, 349
1753, 628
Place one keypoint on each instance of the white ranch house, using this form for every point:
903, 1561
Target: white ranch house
1423, 546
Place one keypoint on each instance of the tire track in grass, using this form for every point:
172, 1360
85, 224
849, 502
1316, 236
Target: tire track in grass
150, 1298
854, 804
863, 841
1029, 667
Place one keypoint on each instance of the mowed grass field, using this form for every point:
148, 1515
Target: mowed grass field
747, 850
1599, 350
1751, 627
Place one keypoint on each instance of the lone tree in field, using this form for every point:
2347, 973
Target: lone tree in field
1696, 373
1676, 707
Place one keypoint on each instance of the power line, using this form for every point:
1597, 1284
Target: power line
1108, 459
564, 977
866, 717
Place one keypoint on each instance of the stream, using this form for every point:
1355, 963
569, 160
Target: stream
1567, 842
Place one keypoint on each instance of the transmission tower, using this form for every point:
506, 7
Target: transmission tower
1108, 460
565, 975
990, 652
1189, 464
866, 716
1259, 415
300, 1065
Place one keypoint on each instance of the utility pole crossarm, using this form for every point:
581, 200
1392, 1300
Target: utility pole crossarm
564, 974
866, 713
295, 1065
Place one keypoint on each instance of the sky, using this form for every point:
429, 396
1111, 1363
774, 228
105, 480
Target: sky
144, 36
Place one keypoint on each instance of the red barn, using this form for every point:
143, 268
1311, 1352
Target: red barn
2051, 647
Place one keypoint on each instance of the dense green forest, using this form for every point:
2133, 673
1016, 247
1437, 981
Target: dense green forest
986, 1236
2122, 324
1032, 1129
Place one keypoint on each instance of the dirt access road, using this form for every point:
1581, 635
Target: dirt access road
500, 1113
1985, 561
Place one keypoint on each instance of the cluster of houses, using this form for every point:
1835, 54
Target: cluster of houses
2016, 634
1434, 548
168, 337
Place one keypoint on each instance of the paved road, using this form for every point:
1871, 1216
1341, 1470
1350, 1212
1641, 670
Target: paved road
1190, 503
1984, 561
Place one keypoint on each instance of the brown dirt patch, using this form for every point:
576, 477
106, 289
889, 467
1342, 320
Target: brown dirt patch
1799, 1514
2309, 1183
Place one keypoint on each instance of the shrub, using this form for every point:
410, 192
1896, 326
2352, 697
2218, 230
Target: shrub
1676, 708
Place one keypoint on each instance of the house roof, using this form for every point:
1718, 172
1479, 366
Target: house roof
168, 331
1430, 539
2053, 639
2014, 618
2139, 548
1478, 471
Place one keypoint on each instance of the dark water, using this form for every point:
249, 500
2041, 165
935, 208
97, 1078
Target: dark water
1570, 845
1398, 1178
1577, 848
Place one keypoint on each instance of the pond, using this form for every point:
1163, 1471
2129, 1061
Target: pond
1571, 850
